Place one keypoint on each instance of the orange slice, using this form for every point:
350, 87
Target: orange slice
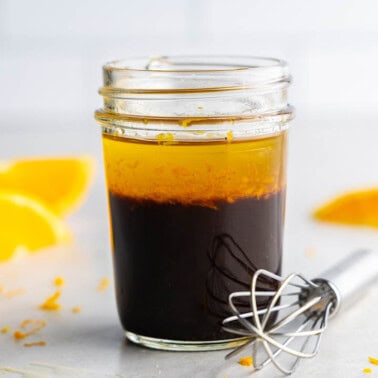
27, 224
354, 208
60, 183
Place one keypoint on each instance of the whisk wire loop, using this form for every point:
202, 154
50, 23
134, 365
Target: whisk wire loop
292, 317
272, 335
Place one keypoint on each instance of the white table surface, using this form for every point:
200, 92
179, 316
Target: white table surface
328, 154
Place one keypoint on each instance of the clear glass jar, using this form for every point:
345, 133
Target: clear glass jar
194, 152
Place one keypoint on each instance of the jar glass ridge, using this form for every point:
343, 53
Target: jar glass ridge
166, 93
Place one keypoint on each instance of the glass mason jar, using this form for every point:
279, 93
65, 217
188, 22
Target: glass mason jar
194, 152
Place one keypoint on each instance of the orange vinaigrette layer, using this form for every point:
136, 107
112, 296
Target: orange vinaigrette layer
195, 173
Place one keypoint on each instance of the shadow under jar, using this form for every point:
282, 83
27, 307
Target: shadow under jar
194, 152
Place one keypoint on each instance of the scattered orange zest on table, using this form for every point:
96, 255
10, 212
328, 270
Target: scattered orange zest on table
51, 304
246, 361
19, 335
38, 324
35, 324
36, 343
76, 309
14, 293
102, 286
59, 281
373, 360
5, 329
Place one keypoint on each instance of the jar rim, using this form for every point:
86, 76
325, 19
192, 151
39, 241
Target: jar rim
171, 64
196, 73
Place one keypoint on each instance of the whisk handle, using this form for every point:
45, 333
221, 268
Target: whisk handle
350, 278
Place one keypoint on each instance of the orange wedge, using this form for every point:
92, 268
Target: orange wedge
27, 224
60, 183
354, 208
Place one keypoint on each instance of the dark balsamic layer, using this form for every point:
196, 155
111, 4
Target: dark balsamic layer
175, 265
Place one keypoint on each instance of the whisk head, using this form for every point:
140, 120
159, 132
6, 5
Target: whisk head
289, 327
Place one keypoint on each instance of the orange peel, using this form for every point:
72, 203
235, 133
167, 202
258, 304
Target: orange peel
353, 208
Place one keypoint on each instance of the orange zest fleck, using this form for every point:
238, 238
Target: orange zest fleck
59, 281
102, 286
230, 136
51, 304
373, 360
246, 361
165, 137
35, 325
5, 330
11, 293
185, 122
19, 335
76, 309
367, 371
14, 293
36, 343
311, 252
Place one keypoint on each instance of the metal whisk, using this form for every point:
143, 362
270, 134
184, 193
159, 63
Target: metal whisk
286, 324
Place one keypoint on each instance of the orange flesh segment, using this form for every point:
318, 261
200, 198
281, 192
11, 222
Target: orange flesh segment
59, 183
28, 225
354, 208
